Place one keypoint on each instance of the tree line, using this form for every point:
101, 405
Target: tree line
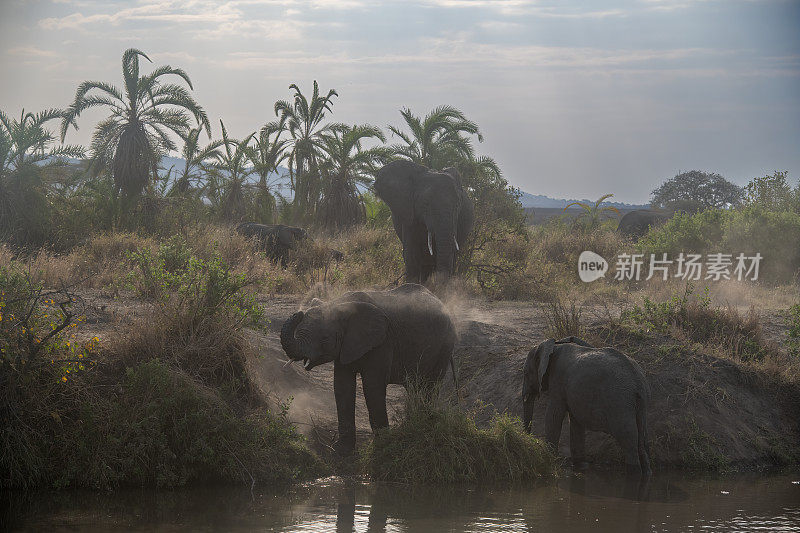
152, 115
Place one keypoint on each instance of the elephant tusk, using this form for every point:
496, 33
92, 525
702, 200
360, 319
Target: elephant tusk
288, 362
430, 243
456, 243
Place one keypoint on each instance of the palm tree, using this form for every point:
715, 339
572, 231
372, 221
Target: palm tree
347, 165
133, 139
439, 140
592, 214
27, 142
265, 155
196, 158
303, 120
229, 175
26, 149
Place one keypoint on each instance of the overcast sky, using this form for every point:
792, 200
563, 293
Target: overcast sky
575, 99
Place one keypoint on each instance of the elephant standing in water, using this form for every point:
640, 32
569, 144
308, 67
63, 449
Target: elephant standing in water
431, 213
386, 336
601, 389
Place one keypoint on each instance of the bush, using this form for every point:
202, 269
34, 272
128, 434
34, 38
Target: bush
739, 335
685, 233
436, 444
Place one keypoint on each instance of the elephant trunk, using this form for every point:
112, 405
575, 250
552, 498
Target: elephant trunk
527, 413
445, 250
289, 343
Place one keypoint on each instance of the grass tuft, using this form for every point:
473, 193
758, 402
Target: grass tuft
438, 444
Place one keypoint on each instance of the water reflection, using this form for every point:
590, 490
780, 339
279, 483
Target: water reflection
586, 502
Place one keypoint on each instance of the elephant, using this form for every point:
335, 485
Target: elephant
277, 240
388, 337
636, 224
602, 390
431, 213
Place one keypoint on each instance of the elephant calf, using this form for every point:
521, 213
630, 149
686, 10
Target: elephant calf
386, 336
601, 389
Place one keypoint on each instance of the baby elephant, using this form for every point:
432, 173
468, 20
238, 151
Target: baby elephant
601, 389
385, 336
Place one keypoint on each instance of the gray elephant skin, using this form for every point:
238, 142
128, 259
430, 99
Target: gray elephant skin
387, 337
275, 239
600, 388
431, 213
635, 224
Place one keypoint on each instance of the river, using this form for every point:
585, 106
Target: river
596, 501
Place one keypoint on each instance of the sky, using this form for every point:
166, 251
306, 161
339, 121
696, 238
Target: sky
574, 99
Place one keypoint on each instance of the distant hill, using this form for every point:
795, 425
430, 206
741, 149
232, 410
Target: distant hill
540, 200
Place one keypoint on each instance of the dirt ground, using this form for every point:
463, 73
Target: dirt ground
704, 409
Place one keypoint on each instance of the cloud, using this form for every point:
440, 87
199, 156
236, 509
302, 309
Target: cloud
30, 52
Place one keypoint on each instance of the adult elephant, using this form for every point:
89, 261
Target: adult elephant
635, 224
275, 239
431, 213
601, 389
386, 336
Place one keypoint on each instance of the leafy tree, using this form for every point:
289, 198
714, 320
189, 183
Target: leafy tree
592, 214
347, 165
196, 157
133, 139
303, 120
229, 176
773, 192
26, 152
439, 140
694, 191
268, 152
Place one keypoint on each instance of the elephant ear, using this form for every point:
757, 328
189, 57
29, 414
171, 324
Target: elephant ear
544, 351
365, 327
394, 184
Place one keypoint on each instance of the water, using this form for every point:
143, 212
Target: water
591, 502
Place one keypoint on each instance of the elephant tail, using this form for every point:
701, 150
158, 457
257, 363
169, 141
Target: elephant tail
455, 377
643, 447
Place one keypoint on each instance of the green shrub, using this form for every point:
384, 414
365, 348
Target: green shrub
685, 233
773, 234
739, 335
436, 444
199, 288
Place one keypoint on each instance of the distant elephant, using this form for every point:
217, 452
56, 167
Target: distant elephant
431, 213
277, 240
635, 224
601, 389
386, 336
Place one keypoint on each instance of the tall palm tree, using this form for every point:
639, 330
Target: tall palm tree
229, 176
133, 139
348, 164
195, 157
26, 150
268, 151
441, 139
303, 118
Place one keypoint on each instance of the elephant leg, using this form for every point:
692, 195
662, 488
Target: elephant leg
344, 390
375, 396
577, 444
627, 435
553, 419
